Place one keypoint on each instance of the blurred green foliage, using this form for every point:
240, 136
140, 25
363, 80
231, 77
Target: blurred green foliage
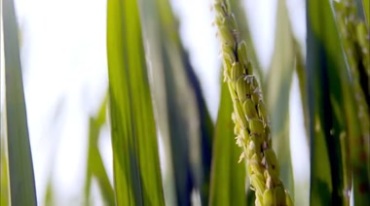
154, 96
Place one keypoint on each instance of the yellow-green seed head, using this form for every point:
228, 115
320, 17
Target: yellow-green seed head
255, 165
254, 146
257, 181
242, 52
219, 8
268, 134
254, 82
256, 97
256, 127
236, 71
288, 200
249, 109
268, 197
271, 163
243, 90
228, 54
239, 113
233, 94
230, 22
226, 36
262, 113
280, 198
250, 117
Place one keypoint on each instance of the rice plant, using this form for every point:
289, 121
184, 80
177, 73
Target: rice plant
153, 139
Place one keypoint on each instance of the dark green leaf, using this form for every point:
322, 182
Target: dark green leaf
332, 113
22, 184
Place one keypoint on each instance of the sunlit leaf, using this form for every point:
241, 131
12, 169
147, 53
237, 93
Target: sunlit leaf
366, 8
242, 21
22, 184
278, 83
228, 176
137, 177
4, 174
50, 193
179, 105
302, 79
95, 165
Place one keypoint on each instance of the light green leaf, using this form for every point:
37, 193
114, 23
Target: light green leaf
95, 165
302, 79
277, 84
242, 22
137, 175
50, 193
179, 107
227, 175
4, 174
22, 184
366, 7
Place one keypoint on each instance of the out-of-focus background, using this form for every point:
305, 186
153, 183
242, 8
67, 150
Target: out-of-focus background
64, 62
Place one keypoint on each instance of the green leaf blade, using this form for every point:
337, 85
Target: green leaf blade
227, 175
135, 153
333, 114
278, 84
22, 183
179, 106
95, 166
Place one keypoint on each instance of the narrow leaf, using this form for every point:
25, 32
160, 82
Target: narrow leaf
4, 175
137, 176
324, 168
22, 183
302, 79
277, 84
227, 176
333, 114
180, 106
242, 21
95, 165
366, 7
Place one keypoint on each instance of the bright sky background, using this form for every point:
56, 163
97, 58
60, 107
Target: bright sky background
65, 77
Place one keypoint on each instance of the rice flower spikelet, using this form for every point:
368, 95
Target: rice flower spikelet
252, 128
